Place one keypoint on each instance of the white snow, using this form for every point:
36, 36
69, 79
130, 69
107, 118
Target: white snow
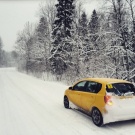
122, 108
29, 106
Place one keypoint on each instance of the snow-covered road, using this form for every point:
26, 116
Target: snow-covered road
29, 106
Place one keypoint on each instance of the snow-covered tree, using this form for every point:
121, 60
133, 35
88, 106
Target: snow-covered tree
94, 24
131, 46
25, 42
43, 43
42, 29
83, 25
83, 37
94, 27
61, 35
119, 39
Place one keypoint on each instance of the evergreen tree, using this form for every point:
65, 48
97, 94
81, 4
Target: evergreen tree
94, 27
42, 30
61, 35
84, 45
83, 25
93, 24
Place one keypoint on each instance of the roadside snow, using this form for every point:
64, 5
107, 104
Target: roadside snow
29, 106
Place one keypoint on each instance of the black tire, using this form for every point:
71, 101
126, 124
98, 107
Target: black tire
97, 117
66, 102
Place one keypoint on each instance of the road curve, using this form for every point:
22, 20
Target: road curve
30, 106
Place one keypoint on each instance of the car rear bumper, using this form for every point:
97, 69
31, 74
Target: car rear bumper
113, 114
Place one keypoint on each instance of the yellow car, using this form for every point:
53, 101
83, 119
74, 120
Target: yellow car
105, 99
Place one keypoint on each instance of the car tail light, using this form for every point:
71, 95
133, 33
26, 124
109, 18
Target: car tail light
107, 99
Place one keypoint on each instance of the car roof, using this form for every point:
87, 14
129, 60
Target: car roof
107, 80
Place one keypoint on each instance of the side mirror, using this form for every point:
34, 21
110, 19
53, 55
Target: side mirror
70, 88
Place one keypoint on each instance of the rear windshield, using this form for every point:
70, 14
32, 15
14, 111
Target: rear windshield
120, 88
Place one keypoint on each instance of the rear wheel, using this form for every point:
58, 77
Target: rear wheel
97, 117
66, 102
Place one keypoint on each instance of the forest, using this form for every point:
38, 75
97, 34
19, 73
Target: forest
68, 44
7, 59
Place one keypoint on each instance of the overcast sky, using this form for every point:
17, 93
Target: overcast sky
14, 15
